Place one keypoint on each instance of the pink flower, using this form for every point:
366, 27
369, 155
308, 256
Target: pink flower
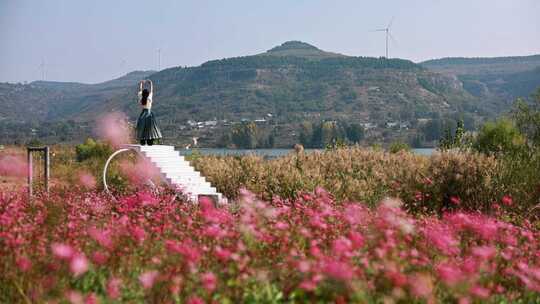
308, 285
24, 263
195, 300
421, 285
113, 288
484, 252
139, 174
138, 233
355, 214
222, 254
148, 278
341, 246
357, 239
101, 236
281, 225
449, 273
62, 251
304, 266
480, 292
470, 265
209, 281
317, 222
214, 231
187, 249
87, 180
74, 297
99, 258
78, 265
507, 200
397, 278
113, 128
442, 238
338, 270
455, 200
91, 299
13, 165
464, 300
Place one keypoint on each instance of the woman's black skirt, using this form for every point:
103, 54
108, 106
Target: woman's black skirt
147, 127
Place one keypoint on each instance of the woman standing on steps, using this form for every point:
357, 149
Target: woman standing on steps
147, 129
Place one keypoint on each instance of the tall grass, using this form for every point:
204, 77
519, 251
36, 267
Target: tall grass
440, 182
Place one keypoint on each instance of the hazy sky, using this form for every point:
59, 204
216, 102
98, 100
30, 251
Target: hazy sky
96, 40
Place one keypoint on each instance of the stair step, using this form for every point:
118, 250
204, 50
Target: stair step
161, 152
195, 186
196, 180
191, 182
177, 170
171, 162
166, 156
157, 147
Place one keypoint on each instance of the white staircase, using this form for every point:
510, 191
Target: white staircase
177, 172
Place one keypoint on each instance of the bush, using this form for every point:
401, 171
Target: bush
499, 137
395, 147
92, 149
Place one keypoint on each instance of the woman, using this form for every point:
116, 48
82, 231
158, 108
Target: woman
147, 129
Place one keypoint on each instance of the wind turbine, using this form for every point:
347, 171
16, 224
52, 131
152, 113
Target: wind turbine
159, 59
388, 34
122, 66
41, 67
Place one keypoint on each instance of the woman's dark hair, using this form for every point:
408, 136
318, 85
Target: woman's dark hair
144, 98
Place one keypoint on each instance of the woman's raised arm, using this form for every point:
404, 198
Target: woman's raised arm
151, 87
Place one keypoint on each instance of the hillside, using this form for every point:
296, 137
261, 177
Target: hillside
56, 101
482, 66
499, 80
298, 80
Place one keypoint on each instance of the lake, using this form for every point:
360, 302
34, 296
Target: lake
269, 153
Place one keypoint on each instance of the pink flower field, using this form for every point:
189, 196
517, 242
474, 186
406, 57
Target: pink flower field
84, 247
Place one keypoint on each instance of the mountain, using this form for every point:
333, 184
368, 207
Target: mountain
280, 88
55, 101
500, 80
296, 80
299, 49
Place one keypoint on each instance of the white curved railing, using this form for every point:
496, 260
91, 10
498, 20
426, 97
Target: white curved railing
105, 186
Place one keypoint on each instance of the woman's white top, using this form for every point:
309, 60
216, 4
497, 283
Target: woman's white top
148, 104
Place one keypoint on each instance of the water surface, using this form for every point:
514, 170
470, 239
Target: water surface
268, 153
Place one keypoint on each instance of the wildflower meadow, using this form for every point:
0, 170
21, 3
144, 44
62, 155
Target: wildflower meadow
393, 228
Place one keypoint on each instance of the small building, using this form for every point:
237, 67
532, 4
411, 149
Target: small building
391, 124
368, 125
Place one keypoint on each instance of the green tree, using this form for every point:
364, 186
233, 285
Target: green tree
355, 132
527, 118
244, 135
456, 140
446, 140
432, 129
306, 134
499, 137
